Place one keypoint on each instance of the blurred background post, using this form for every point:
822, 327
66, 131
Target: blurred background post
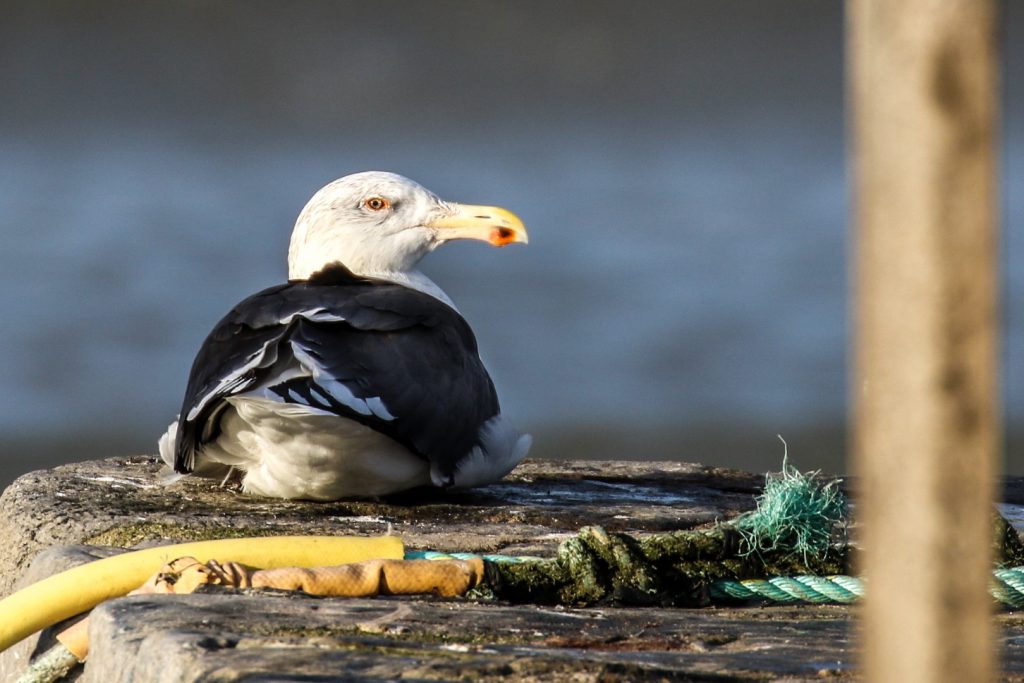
927, 419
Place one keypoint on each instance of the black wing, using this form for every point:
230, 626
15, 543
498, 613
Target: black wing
392, 358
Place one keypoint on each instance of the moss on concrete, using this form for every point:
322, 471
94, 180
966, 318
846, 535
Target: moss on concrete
1008, 549
675, 568
128, 535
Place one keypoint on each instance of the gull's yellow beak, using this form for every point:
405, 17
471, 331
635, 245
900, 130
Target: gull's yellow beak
487, 223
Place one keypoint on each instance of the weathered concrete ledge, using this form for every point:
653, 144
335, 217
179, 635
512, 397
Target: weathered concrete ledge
390, 639
255, 636
124, 502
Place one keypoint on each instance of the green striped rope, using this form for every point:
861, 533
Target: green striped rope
790, 589
1007, 586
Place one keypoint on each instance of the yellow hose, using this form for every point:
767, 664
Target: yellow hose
78, 590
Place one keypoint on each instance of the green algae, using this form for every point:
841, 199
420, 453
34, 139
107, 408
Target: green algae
1008, 549
597, 567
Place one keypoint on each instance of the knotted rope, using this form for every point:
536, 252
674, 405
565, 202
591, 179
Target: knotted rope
792, 548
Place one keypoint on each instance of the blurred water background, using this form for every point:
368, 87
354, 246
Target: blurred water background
680, 166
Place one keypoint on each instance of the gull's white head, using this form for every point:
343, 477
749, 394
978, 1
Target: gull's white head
381, 224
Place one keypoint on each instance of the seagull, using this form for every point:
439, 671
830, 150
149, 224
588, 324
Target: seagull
357, 378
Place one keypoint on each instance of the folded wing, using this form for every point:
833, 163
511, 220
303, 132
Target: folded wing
392, 358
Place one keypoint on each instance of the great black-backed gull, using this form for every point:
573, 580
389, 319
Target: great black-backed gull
358, 377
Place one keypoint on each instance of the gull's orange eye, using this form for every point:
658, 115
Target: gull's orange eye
376, 204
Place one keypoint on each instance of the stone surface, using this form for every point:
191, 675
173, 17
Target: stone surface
232, 637
123, 502
296, 638
247, 636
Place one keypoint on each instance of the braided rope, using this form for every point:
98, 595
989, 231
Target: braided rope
1007, 586
789, 589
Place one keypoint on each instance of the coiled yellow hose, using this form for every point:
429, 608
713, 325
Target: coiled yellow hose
79, 589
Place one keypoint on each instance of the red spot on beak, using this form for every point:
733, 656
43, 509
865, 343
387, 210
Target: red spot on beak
502, 236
